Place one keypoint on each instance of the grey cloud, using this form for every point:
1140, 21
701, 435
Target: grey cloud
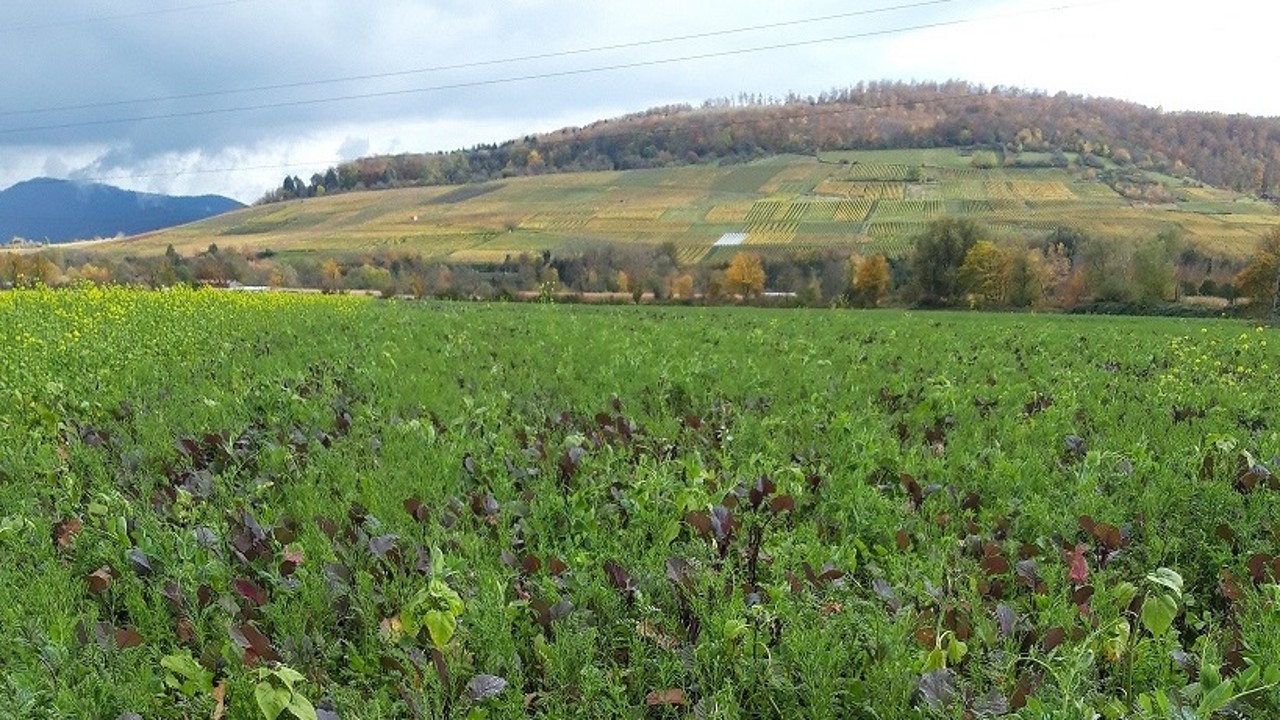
54, 166
353, 148
267, 42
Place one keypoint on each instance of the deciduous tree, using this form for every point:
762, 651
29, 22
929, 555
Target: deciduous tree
1260, 279
1152, 272
745, 274
1103, 265
937, 257
330, 276
1030, 277
682, 287
871, 280
985, 272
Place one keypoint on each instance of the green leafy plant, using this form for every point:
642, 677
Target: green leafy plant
1212, 694
277, 691
186, 675
948, 651
435, 608
1161, 606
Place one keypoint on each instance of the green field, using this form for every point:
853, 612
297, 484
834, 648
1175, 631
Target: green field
869, 201
380, 509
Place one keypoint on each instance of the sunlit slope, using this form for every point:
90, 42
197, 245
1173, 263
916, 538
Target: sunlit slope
873, 201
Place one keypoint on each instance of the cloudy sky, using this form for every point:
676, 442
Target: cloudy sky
227, 96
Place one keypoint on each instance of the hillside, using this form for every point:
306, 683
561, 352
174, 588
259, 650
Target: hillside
874, 201
1241, 153
58, 211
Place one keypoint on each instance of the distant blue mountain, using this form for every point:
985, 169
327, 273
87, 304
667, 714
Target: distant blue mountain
58, 211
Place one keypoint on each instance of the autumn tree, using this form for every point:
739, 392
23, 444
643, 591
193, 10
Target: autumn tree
1260, 279
985, 272
1064, 241
745, 274
41, 270
682, 287
8, 268
330, 276
95, 274
871, 280
535, 163
936, 259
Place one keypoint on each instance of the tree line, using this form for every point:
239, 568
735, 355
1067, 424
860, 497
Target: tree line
1232, 151
953, 263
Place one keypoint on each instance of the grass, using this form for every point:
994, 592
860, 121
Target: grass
695, 203
630, 512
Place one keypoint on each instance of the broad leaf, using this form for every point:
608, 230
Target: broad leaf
484, 687
937, 689
271, 700
301, 708
1123, 593
1158, 612
1169, 579
99, 580
1216, 699
1113, 647
441, 626
935, 660
1006, 619
288, 676
186, 675
445, 597
1079, 567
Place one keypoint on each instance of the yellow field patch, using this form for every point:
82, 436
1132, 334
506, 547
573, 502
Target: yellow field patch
729, 212
772, 233
801, 177
1248, 219
1041, 190
630, 212
853, 210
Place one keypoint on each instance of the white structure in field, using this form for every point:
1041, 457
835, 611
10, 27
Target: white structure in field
730, 239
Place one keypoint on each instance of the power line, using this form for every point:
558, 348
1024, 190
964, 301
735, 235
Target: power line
123, 16
805, 112
539, 76
478, 63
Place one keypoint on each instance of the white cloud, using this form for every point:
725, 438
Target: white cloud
246, 172
1176, 55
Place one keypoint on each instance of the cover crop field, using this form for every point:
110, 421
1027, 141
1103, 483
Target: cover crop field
251, 506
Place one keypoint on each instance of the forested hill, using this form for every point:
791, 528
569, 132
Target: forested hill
1239, 152
49, 210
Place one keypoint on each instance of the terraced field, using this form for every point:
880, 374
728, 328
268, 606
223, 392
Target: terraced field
874, 201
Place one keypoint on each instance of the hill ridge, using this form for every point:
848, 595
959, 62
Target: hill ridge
1237, 152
